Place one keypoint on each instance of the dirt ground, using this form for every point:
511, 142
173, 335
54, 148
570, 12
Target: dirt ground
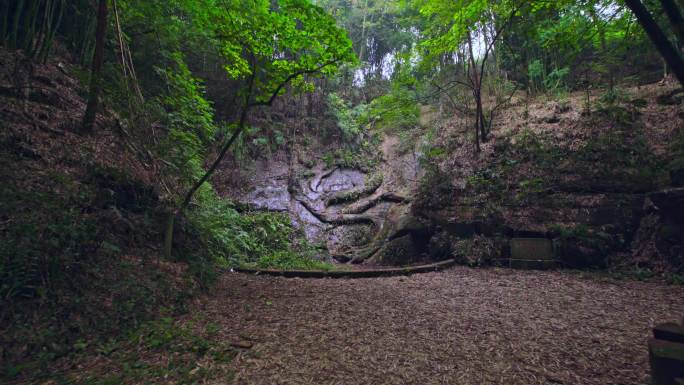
460, 326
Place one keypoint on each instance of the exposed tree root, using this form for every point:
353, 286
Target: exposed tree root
357, 255
340, 219
316, 181
371, 187
369, 204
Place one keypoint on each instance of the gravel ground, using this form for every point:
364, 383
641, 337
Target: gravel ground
460, 326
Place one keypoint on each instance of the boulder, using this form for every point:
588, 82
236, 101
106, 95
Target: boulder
398, 252
409, 224
670, 203
677, 177
440, 246
576, 252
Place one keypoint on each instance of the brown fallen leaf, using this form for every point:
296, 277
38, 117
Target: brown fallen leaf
242, 344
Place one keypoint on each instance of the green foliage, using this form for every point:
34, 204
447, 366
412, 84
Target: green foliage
535, 73
554, 82
530, 188
360, 159
593, 40
395, 112
476, 251
398, 110
189, 110
347, 118
565, 233
279, 42
612, 98
229, 238
190, 121
64, 254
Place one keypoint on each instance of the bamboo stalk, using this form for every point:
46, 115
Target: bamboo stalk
4, 11
16, 22
36, 42
30, 24
48, 46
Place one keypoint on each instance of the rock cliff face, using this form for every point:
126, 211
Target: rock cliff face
583, 181
348, 211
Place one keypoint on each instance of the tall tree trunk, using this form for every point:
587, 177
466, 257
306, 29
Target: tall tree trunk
5, 8
362, 49
30, 25
477, 95
96, 68
676, 19
51, 35
657, 36
604, 47
16, 22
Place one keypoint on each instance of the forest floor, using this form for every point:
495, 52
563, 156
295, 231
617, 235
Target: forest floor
460, 326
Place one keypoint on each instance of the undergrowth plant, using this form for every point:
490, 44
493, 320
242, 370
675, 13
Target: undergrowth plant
230, 238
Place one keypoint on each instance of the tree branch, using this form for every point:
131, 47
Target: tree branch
290, 78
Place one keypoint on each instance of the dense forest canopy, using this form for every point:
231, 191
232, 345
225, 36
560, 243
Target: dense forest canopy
429, 130
449, 47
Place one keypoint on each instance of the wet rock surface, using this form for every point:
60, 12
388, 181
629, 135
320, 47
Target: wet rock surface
343, 209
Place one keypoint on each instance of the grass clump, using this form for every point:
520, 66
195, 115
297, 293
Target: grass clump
285, 260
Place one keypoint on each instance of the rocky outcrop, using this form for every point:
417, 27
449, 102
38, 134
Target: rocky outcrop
677, 177
582, 188
659, 243
403, 242
344, 209
670, 204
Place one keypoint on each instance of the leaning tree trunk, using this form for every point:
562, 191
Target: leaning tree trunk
171, 220
676, 19
658, 37
96, 68
476, 80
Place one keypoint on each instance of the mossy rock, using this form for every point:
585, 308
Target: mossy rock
576, 252
398, 252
